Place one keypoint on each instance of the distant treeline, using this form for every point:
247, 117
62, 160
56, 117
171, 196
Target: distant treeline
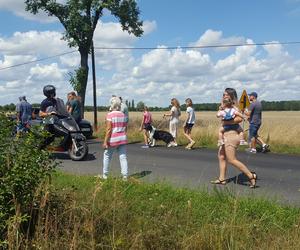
267, 106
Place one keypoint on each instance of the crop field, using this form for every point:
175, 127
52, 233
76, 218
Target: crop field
279, 128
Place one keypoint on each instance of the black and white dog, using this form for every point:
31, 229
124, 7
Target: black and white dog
155, 134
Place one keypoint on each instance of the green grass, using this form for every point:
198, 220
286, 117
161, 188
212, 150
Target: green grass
85, 213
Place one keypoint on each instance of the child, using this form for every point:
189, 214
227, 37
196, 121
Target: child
189, 123
227, 112
146, 121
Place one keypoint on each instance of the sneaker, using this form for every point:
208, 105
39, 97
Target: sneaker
103, 177
175, 144
243, 142
265, 148
251, 150
220, 143
192, 144
145, 146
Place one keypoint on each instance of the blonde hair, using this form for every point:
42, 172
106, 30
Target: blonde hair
115, 103
189, 102
175, 102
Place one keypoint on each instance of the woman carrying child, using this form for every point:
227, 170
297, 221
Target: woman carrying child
228, 112
227, 152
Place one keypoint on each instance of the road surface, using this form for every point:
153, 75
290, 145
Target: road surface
279, 175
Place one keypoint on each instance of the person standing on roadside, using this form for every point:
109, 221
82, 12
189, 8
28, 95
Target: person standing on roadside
115, 138
189, 123
24, 114
74, 106
255, 117
174, 118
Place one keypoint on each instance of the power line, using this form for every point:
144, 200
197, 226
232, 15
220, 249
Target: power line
38, 60
198, 47
158, 48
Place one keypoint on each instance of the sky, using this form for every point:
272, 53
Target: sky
154, 76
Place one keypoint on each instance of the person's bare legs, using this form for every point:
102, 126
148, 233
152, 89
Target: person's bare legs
222, 163
230, 152
145, 136
187, 134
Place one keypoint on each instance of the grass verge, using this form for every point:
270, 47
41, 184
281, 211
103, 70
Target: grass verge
85, 213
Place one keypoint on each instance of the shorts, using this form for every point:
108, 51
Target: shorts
188, 127
231, 127
231, 138
146, 125
253, 129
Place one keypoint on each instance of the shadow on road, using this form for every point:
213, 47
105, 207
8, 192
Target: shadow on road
141, 174
241, 179
65, 156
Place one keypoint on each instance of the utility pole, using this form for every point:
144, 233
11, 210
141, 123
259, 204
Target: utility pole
94, 87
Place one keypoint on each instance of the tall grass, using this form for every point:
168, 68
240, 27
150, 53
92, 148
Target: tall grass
279, 129
85, 213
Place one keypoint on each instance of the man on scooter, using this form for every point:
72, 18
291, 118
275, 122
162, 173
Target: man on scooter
51, 106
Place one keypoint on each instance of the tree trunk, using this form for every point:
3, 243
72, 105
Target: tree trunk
84, 54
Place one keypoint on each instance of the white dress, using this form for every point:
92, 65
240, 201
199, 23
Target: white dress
174, 121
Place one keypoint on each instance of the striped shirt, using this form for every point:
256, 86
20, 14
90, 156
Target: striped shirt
118, 125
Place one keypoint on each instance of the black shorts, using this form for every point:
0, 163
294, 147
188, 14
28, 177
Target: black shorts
145, 125
189, 126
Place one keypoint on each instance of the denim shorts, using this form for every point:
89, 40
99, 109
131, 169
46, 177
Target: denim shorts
253, 129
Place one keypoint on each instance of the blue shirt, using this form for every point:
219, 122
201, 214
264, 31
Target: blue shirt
25, 110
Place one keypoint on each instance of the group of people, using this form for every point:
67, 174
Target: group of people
231, 135
173, 115
25, 112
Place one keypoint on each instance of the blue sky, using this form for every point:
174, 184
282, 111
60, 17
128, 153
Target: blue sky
156, 76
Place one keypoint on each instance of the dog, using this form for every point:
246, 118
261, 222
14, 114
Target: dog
160, 135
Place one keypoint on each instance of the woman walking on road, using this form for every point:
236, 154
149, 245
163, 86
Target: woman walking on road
115, 138
227, 152
189, 123
174, 118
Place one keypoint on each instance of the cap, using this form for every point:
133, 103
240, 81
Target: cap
253, 94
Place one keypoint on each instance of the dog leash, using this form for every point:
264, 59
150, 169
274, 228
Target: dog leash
161, 123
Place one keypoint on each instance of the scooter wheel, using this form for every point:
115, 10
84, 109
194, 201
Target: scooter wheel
80, 153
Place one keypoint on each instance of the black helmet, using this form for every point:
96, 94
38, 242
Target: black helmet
49, 91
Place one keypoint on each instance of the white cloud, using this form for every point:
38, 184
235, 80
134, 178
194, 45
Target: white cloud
152, 76
212, 37
18, 8
45, 72
46, 43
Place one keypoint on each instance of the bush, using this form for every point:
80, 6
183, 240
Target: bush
23, 167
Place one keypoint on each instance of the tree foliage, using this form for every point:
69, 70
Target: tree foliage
80, 19
23, 167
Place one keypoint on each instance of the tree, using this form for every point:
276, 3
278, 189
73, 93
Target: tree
80, 18
140, 106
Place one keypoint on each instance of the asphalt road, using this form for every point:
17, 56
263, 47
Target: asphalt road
278, 175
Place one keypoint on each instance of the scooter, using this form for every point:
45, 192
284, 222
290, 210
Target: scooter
74, 141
